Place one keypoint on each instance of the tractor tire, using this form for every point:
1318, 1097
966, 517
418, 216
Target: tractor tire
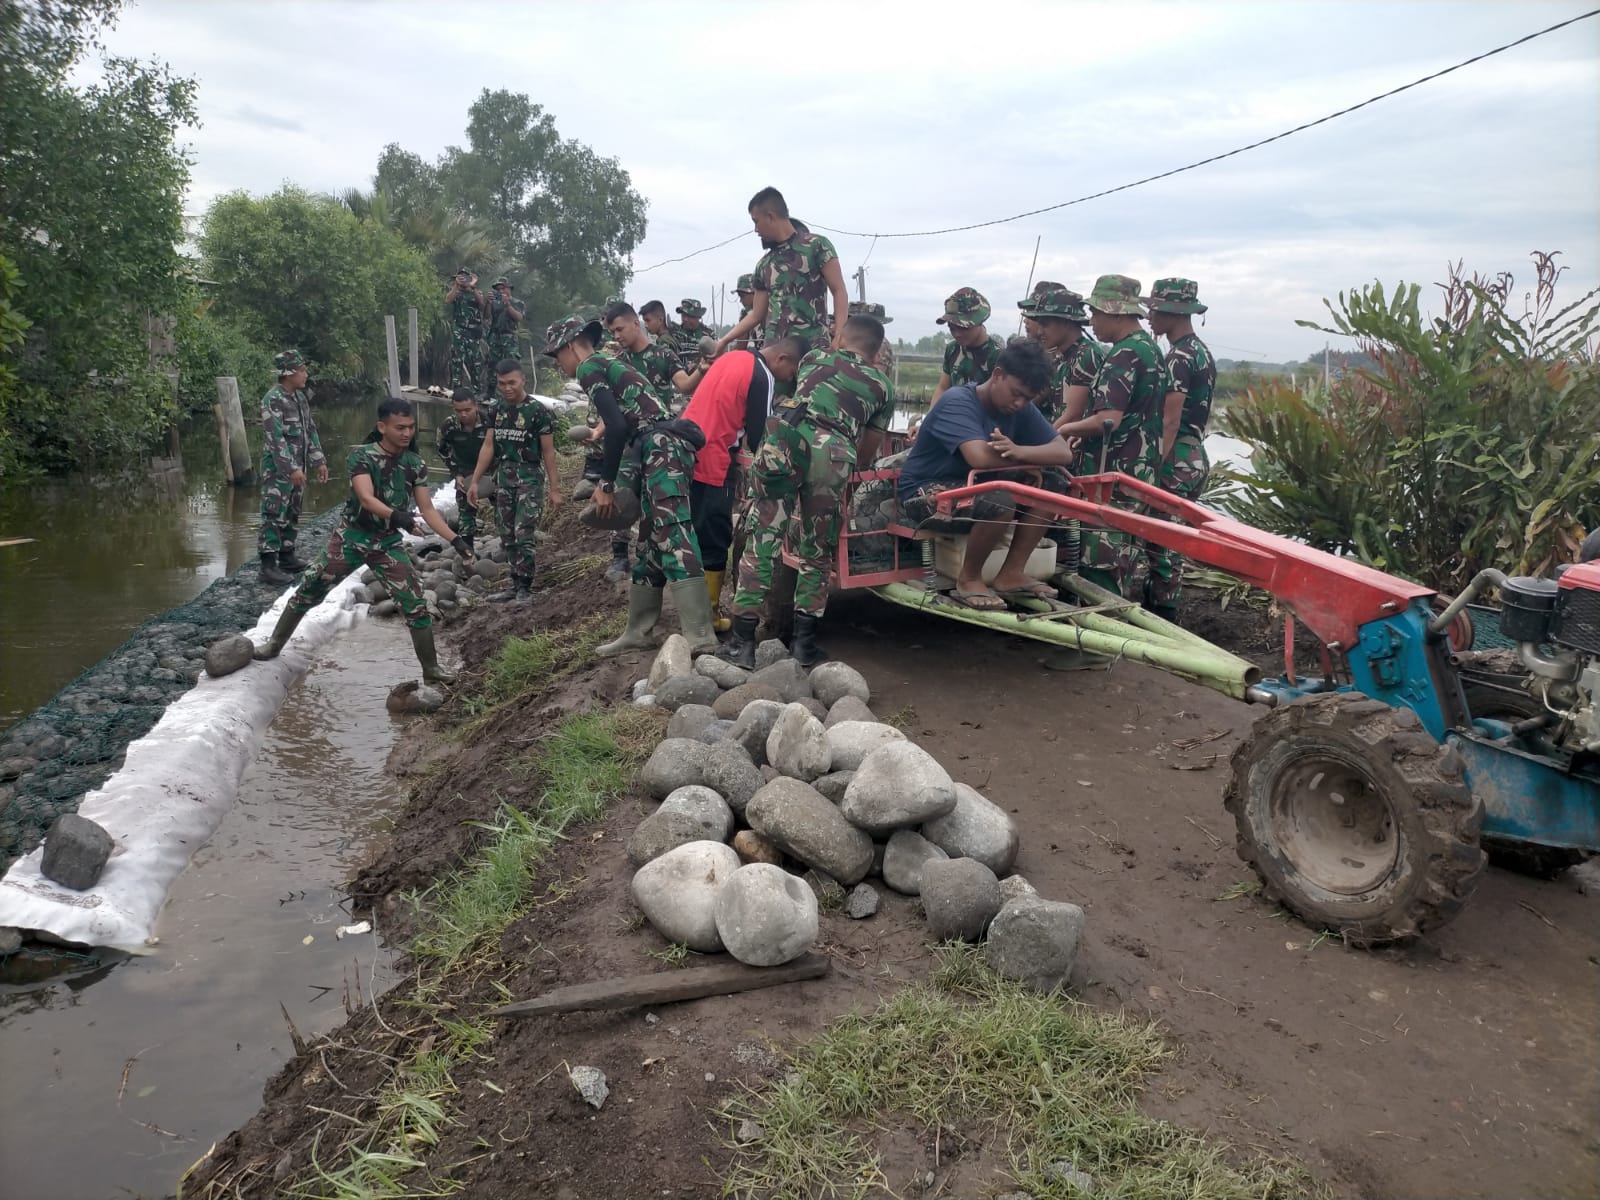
1355, 819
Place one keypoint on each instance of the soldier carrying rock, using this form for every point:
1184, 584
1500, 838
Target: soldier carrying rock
289, 448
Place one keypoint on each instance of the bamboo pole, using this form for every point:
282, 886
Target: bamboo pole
411, 344
235, 445
393, 346
1093, 593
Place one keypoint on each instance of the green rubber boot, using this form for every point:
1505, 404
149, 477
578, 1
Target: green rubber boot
428, 656
644, 610
693, 602
281, 632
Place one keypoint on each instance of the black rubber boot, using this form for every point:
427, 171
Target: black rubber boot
428, 656
290, 561
521, 590
281, 632
272, 573
740, 648
621, 565
803, 646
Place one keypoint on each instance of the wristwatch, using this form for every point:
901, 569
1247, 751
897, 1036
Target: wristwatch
608, 488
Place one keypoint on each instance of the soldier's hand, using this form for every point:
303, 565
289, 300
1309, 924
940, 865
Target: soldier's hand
322, 473
459, 545
403, 520
297, 478
472, 495
605, 503
555, 496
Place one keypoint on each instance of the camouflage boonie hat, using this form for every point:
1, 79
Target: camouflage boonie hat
747, 283
966, 306
1062, 302
1175, 296
571, 328
501, 280
690, 308
288, 362
1039, 289
860, 308
1117, 295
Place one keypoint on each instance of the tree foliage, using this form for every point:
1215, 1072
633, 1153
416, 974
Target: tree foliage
299, 270
1473, 440
91, 185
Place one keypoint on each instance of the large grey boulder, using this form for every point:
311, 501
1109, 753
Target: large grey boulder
903, 859
798, 745
897, 786
678, 893
717, 731
787, 678
721, 672
852, 741
770, 651
689, 719
664, 831
960, 896
76, 851
674, 763
833, 784
679, 690
975, 828
848, 708
673, 659
1015, 887
734, 701
227, 655
765, 916
753, 724
704, 806
795, 818
727, 769
833, 681
1036, 941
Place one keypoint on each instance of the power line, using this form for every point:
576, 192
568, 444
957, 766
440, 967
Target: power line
1277, 137
667, 262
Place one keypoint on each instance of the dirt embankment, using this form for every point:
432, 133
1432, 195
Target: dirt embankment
1462, 1066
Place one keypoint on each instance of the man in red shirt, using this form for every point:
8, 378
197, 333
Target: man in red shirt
731, 406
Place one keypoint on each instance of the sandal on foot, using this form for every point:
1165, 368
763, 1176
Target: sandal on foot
1033, 590
980, 601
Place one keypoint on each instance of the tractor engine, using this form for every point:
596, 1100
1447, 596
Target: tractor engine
1556, 625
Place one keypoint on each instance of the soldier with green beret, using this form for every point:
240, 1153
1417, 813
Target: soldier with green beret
1192, 374
289, 448
505, 313
973, 350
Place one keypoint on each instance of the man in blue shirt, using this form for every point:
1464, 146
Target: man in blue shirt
991, 426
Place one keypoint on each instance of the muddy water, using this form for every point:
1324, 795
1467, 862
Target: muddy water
116, 1079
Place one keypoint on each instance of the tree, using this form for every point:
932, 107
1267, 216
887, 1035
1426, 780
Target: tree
299, 270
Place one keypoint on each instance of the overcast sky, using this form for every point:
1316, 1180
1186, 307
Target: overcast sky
908, 116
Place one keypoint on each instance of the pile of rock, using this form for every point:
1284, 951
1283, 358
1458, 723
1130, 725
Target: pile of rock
795, 771
448, 583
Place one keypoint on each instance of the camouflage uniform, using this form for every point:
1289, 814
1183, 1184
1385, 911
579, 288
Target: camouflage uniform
519, 480
798, 480
751, 341
466, 339
885, 360
687, 341
658, 364
1192, 371
1080, 363
503, 322
797, 295
657, 466
459, 447
362, 539
967, 307
289, 443
1132, 380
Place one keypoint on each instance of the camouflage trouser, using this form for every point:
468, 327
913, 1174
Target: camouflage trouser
466, 514
1184, 474
280, 513
1111, 558
796, 494
518, 505
658, 468
348, 549
466, 358
499, 348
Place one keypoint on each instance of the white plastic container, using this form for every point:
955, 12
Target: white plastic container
950, 548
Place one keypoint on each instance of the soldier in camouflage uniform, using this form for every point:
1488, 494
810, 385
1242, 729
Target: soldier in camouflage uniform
505, 313
1030, 327
289, 448
745, 289
797, 484
465, 304
1060, 316
794, 280
687, 334
885, 359
1192, 376
458, 441
972, 352
520, 442
385, 480
652, 455
1129, 391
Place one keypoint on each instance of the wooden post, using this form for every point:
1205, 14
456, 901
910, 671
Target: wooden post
394, 355
235, 446
411, 334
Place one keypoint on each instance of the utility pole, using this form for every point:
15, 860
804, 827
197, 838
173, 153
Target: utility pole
1324, 366
861, 282
1033, 266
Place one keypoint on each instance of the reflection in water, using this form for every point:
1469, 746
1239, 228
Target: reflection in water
110, 555
248, 926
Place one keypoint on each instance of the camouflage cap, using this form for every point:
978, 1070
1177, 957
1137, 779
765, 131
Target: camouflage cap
571, 328
1039, 289
690, 307
747, 283
288, 362
1059, 301
966, 306
501, 281
1175, 296
1117, 295
860, 308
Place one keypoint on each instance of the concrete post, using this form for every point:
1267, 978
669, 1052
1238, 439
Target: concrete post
411, 334
235, 445
394, 355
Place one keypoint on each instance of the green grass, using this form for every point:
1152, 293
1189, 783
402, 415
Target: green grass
1042, 1079
525, 663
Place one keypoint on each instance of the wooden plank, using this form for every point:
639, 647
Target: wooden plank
666, 987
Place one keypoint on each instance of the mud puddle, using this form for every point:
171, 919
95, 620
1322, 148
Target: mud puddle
123, 1073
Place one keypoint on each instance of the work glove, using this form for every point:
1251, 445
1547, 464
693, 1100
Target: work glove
459, 545
403, 520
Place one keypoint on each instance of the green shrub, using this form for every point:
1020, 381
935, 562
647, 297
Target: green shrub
209, 346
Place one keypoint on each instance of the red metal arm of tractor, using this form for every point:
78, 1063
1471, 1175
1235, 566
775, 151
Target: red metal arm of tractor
1332, 596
